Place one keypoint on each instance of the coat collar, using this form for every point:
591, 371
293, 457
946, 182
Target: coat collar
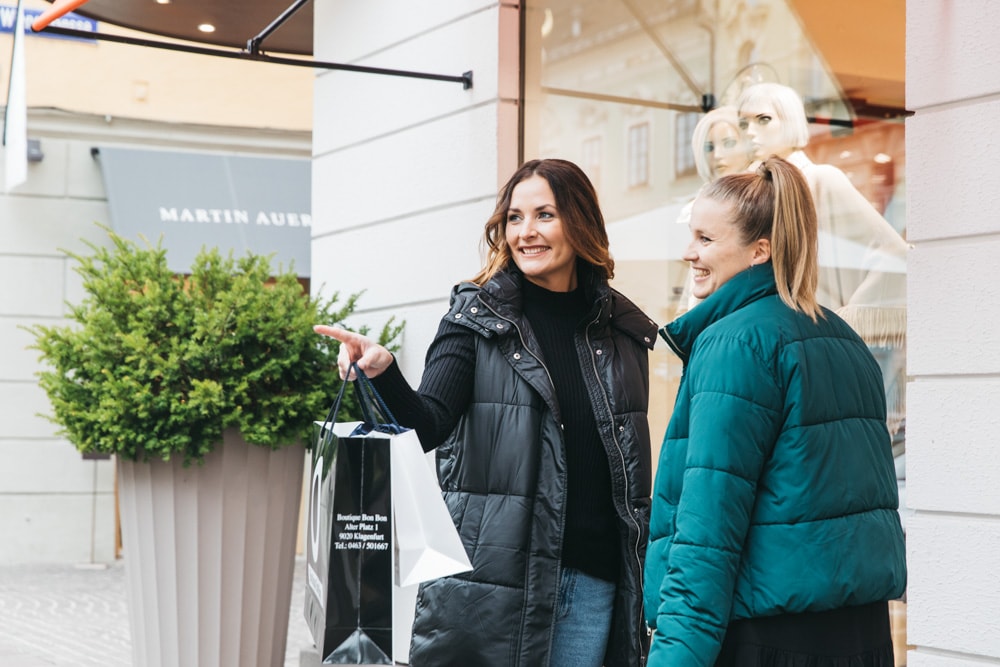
502, 293
744, 288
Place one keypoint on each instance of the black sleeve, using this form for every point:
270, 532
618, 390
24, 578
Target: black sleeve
445, 389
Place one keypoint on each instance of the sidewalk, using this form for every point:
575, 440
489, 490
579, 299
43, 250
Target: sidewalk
69, 616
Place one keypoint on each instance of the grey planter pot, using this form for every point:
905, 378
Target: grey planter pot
209, 555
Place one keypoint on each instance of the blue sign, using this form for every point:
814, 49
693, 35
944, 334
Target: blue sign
8, 16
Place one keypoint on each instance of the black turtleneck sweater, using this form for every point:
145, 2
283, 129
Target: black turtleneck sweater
590, 536
590, 540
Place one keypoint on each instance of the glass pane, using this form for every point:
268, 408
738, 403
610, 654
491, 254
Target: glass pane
618, 86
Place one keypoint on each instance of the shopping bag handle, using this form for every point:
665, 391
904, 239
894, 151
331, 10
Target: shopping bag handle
375, 414
326, 431
368, 390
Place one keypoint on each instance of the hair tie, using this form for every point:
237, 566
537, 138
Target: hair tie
764, 170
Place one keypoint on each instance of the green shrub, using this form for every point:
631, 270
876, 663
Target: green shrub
157, 364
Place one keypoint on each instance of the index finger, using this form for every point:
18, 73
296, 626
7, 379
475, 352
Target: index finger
339, 333
353, 344
331, 331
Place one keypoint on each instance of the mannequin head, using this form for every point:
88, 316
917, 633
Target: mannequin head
718, 145
773, 119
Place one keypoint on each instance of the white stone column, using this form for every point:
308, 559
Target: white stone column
953, 420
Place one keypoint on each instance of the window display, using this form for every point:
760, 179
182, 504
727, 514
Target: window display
627, 88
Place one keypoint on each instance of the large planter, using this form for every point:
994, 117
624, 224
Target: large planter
209, 555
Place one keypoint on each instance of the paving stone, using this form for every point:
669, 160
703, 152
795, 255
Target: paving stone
66, 616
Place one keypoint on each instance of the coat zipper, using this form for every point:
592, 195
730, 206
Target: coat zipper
621, 453
614, 437
562, 514
673, 345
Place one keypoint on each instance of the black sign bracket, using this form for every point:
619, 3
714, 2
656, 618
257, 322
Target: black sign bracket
254, 52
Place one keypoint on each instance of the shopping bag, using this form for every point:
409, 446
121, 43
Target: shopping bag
427, 545
378, 526
349, 569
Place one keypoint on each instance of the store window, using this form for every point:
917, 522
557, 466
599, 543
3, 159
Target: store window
637, 160
683, 156
642, 73
591, 159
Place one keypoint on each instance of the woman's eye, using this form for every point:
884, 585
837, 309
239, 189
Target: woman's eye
513, 217
763, 120
704, 240
729, 143
744, 123
709, 147
545, 215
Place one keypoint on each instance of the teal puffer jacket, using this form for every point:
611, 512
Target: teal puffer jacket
775, 490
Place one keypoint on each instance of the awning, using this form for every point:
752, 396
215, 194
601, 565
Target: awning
235, 21
193, 200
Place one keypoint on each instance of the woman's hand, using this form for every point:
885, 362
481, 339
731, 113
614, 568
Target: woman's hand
370, 357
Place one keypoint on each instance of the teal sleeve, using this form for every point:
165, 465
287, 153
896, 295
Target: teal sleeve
734, 420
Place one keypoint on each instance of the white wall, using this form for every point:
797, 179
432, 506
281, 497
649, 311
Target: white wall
953, 539
405, 171
53, 505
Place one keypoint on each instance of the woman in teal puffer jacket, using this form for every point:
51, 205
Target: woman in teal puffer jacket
775, 538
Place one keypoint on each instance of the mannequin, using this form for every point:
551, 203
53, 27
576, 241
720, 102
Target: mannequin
719, 148
718, 145
862, 257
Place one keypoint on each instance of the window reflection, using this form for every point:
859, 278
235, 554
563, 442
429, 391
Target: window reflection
684, 159
638, 155
619, 86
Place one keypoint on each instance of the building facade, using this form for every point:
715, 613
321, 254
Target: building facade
405, 174
953, 88
84, 95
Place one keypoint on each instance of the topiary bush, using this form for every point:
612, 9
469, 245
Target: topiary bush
156, 364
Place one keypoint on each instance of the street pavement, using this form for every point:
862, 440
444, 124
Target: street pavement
76, 616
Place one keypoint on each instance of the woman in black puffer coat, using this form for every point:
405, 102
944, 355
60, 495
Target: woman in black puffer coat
534, 394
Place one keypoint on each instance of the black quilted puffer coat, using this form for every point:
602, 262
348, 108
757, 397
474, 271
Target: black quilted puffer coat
503, 475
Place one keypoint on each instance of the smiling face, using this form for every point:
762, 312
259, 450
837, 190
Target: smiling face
717, 251
763, 128
726, 150
535, 235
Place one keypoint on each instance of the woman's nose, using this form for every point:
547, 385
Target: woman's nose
689, 253
528, 229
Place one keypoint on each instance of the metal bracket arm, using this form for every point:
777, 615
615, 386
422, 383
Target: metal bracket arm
465, 78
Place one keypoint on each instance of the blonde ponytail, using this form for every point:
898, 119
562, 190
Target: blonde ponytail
774, 203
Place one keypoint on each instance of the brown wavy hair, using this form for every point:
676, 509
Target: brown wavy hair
579, 212
774, 203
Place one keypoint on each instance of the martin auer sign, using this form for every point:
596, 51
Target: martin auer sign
192, 200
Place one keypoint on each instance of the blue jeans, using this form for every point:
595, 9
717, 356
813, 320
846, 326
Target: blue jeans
583, 620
